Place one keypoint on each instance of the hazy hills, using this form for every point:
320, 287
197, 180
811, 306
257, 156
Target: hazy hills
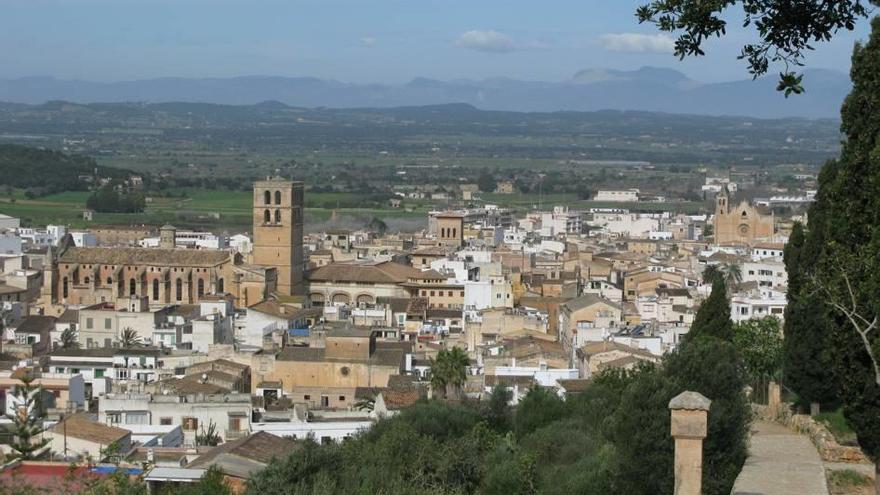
645, 89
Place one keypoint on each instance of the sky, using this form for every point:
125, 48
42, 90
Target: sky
361, 41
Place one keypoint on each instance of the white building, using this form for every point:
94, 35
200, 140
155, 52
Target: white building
767, 273
622, 195
757, 305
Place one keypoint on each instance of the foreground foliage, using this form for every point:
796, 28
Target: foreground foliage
613, 438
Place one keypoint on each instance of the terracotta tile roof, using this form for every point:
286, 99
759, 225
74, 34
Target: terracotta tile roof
144, 256
399, 398
260, 447
79, 426
380, 273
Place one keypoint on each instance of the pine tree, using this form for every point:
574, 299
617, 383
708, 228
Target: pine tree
27, 420
713, 317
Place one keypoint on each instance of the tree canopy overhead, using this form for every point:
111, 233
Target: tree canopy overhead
786, 29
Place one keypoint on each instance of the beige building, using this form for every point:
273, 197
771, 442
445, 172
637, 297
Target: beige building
742, 224
351, 358
278, 232
359, 283
583, 315
450, 229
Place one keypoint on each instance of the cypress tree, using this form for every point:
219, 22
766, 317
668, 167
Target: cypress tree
713, 317
807, 355
844, 233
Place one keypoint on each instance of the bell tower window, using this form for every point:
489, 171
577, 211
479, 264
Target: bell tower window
267, 198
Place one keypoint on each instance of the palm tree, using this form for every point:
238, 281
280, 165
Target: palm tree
68, 339
129, 338
449, 371
732, 275
710, 273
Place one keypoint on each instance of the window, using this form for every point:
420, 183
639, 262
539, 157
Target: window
267, 216
109, 281
277, 216
234, 424
165, 421
325, 401
99, 373
462, 294
267, 197
178, 289
326, 440
132, 287
64, 287
277, 197
190, 424
201, 287
220, 286
341, 398
108, 323
114, 418
424, 292
90, 323
307, 397
155, 289
432, 293
86, 280
137, 418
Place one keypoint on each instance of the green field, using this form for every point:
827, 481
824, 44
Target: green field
231, 210
200, 208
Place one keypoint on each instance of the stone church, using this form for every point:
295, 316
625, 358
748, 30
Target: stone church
742, 224
170, 275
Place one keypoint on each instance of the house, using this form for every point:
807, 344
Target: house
241, 458
78, 436
586, 315
598, 356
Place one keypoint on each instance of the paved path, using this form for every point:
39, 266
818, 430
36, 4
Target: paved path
780, 462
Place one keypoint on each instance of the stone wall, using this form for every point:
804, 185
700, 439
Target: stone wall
825, 443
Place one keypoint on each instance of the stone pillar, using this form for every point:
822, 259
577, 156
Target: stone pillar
689, 426
774, 399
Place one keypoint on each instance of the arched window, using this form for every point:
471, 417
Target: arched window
201, 287
277, 216
178, 290
220, 289
267, 216
132, 287
86, 280
155, 289
64, 287
267, 198
277, 197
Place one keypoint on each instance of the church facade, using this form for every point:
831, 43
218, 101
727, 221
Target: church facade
170, 275
741, 224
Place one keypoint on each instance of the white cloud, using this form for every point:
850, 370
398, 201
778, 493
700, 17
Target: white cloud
635, 42
487, 41
368, 41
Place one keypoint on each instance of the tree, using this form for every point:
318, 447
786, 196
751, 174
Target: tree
208, 437
732, 274
713, 317
130, 338
786, 29
68, 339
27, 419
712, 273
449, 371
759, 344
496, 410
540, 407
807, 355
486, 182
845, 235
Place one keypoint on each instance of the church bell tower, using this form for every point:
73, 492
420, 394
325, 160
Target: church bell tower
278, 231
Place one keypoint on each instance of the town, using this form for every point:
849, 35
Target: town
162, 341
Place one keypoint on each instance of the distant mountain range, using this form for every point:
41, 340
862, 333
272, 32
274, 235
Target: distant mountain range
646, 89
